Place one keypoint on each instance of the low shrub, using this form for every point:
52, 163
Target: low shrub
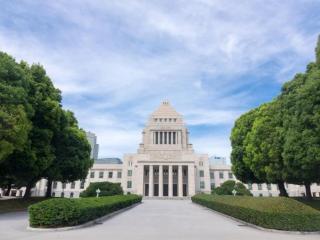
62, 212
268, 212
227, 187
106, 189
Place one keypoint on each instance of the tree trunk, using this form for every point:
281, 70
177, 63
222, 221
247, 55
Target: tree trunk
8, 190
27, 193
308, 190
282, 189
49, 188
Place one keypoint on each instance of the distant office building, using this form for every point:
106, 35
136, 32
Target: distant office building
92, 138
217, 160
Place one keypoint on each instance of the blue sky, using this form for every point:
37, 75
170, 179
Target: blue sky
115, 61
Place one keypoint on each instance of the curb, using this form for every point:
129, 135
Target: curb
166, 198
87, 224
256, 226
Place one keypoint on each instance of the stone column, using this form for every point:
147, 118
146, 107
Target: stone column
160, 180
150, 181
191, 181
180, 181
170, 182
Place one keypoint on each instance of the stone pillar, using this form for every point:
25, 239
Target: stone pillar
180, 181
150, 181
170, 182
139, 179
160, 180
191, 181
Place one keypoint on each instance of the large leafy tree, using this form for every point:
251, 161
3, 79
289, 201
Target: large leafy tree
242, 127
29, 164
72, 153
301, 99
14, 123
264, 146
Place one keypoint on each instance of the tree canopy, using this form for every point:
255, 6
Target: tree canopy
37, 135
280, 140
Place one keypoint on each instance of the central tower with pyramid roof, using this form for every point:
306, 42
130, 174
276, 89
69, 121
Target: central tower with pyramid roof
165, 164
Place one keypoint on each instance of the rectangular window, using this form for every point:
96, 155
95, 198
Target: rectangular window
157, 138
100, 174
165, 137
259, 186
129, 173
212, 175
212, 186
201, 173
221, 175
161, 133
269, 186
174, 137
73, 185
169, 137
129, 184
118, 174
110, 174
202, 184
91, 174
64, 185
82, 184
230, 175
55, 184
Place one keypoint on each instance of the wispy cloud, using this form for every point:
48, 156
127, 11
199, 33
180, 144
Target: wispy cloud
115, 61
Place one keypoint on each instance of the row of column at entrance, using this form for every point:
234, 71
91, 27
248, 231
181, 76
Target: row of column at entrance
165, 181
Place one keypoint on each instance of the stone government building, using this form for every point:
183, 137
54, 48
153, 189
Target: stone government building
165, 165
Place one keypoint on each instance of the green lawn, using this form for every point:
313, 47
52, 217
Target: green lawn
314, 203
13, 205
268, 212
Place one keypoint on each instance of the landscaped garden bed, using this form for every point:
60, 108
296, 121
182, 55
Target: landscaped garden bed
268, 212
64, 212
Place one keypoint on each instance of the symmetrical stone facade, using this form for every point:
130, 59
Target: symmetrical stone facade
165, 165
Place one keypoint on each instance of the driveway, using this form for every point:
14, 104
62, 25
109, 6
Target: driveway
153, 219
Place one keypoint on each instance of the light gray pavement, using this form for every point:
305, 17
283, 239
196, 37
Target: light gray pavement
153, 219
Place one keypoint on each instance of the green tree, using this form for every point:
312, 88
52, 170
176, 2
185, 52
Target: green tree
227, 188
302, 123
264, 146
242, 127
106, 189
28, 165
72, 153
14, 123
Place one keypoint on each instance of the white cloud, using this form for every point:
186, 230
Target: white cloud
116, 60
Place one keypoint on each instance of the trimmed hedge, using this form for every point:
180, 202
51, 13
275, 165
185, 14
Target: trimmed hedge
62, 212
268, 212
106, 189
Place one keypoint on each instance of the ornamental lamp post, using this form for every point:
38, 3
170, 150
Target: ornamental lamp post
98, 191
234, 192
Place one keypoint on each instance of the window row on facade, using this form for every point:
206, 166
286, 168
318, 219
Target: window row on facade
165, 119
166, 137
103, 174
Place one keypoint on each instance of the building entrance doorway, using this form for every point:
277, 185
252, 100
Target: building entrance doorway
165, 190
184, 190
146, 189
175, 190
156, 190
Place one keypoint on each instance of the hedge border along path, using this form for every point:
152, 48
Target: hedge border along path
275, 213
64, 212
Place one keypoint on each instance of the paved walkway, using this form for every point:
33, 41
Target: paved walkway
153, 219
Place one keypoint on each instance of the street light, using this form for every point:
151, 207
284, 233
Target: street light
98, 191
234, 192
